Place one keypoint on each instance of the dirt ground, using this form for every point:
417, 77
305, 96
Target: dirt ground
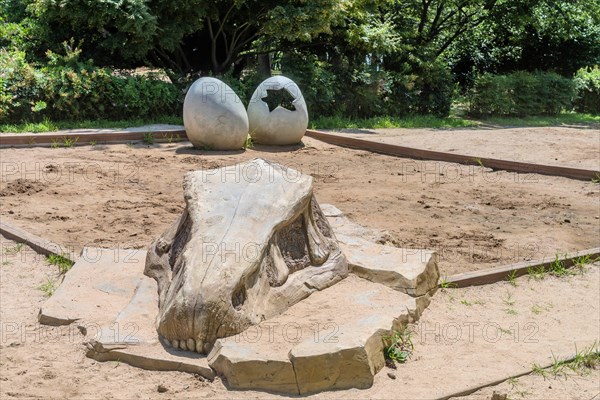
567, 146
126, 195
514, 327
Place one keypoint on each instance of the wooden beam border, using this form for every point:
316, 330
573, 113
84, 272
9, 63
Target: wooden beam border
108, 136
38, 244
497, 274
495, 164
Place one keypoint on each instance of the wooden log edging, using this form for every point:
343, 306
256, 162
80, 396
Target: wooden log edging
99, 137
497, 274
37, 244
495, 164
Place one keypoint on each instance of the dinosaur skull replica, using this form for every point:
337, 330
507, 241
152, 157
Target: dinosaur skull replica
251, 243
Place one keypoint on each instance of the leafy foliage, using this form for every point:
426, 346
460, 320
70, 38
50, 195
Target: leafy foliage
521, 94
68, 88
587, 83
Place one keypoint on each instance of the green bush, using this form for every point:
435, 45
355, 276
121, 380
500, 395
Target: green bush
366, 91
521, 94
67, 88
587, 84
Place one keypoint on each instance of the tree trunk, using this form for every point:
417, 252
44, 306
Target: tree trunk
264, 65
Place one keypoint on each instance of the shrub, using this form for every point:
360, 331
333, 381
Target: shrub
318, 83
67, 88
587, 84
521, 94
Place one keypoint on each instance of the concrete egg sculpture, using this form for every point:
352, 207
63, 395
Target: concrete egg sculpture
277, 112
214, 116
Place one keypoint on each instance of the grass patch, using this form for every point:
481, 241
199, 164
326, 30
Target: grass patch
561, 119
581, 364
412, 121
453, 121
50, 126
62, 262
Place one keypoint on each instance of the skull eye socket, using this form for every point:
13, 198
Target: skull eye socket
238, 298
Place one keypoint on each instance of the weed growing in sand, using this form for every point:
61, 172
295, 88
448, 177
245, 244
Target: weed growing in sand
14, 249
171, 138
512, 278
248, 144
559, 269
62, 262
538, 370
471, 303
585, 360
92, 143
55, 144
70, 142
479, 162
148, 138
582, 363
538, 273
48, 288
509, 302
444, 284
399, 346
580, 263
596, 179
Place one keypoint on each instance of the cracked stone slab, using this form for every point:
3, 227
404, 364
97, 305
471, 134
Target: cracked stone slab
331, 340
108, 296
97, 287
412, 271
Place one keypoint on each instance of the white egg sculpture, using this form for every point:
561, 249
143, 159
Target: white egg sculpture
279, 126
214, 116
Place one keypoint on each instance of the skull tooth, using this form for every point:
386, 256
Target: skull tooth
191, 345
199, 346
318, 248
183, 344
281, 269
175, 343
167, 342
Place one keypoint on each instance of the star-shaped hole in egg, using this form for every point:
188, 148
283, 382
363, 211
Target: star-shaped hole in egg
279, 98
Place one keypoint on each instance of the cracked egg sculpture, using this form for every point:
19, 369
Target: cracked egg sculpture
277, 112
214, 116
251, 243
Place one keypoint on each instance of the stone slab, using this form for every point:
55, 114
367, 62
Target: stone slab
331, 340
412, 271
107, 294
97, 287
132, 338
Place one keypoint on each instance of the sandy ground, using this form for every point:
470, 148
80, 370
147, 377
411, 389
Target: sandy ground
512, 327
575, 146
126, 195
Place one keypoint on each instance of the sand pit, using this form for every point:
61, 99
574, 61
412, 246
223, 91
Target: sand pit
126, 195
466, 338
